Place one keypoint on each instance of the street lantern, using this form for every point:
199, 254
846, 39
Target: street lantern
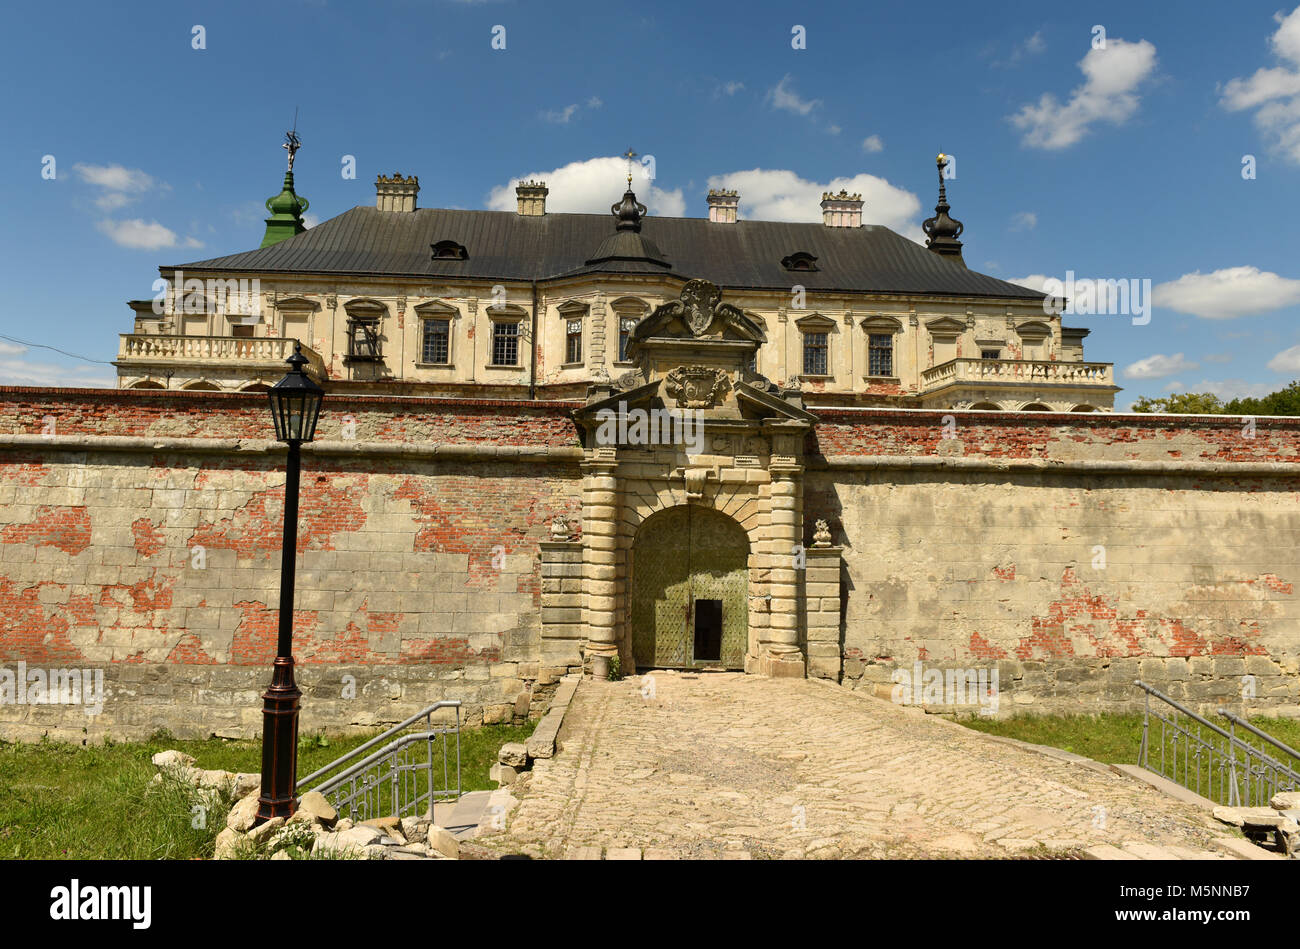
295, 402
295, 407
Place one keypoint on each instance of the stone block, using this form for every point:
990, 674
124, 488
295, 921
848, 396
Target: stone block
502, 773
514, 754
441, 840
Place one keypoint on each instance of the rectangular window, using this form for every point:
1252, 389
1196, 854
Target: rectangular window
435, 347
625, 326
990, 354
573, 341
880, 354
363, 339
505, 344
814, 354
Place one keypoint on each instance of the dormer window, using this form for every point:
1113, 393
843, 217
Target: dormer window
449, 250
800, 260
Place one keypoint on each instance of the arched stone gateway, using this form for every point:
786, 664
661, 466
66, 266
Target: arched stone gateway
690, 590
691, 552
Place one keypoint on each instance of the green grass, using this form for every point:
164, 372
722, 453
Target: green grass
62, 800
1113, 739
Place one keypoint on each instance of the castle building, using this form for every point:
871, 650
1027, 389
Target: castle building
400, 299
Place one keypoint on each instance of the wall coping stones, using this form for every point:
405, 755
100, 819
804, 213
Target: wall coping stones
131, 443
1091, 466
541, 744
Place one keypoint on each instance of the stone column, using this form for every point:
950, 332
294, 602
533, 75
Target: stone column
600, 552
780, 654
822, 610
562, 597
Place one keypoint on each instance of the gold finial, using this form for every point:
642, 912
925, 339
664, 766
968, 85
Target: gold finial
629, 155
942, 159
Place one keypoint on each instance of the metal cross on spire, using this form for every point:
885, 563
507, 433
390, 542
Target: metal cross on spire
629, 155
292, 142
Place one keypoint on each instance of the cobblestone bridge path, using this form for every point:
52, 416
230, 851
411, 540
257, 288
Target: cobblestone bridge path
728, 765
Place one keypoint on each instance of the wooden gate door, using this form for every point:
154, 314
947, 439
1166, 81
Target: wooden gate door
690, 590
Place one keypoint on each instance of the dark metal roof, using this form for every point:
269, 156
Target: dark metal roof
503, 245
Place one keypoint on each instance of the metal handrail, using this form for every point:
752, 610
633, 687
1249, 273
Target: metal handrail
1281, 746
400, 776
426, 713
1262, 774
331, 783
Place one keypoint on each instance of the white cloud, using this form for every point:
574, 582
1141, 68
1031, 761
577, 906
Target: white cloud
1158, 366
565, 115
1229, 389
112, 200
1227, 293
16, 370
590, 187
1109, 94
1217, 357
1288, 360
1030, 46
138, 234
116, 178
729, 88
781, 195
1035, 281
872, 143
562, 116
1174, 386
1274, 91
783, 98
118, 185
1024, 221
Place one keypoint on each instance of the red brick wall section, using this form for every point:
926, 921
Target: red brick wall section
1055, 436
183, 414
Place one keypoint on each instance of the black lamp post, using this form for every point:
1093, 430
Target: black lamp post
295, 406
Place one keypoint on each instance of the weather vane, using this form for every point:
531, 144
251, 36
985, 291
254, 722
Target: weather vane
629, 155
292, 143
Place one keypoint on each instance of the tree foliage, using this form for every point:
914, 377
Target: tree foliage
1283, 402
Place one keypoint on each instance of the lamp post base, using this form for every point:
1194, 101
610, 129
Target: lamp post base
279, 744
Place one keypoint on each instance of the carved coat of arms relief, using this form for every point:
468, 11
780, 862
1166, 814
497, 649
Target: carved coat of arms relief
696, 387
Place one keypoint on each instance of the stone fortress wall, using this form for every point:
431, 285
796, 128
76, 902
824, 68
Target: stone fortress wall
140, 531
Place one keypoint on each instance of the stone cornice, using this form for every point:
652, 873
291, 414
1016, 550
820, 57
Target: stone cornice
251, 446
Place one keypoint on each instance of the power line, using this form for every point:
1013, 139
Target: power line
23, 342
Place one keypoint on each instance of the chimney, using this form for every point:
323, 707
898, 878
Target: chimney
396, 193
532, 198
841, 210
722, 206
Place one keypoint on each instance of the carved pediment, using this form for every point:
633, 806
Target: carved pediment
700, 312
945, 326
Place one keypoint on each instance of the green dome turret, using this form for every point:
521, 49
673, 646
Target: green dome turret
286, 207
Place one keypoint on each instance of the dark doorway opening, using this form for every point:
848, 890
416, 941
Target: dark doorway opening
708, 630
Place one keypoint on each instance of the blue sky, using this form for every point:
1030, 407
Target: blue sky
1115, 163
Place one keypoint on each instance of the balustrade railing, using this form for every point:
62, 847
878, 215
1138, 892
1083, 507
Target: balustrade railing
1022, 371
